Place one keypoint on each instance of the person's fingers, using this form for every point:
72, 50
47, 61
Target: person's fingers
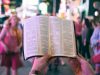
46, 57
40, 62
77, 57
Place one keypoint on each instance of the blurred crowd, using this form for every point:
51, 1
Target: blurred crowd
87, 32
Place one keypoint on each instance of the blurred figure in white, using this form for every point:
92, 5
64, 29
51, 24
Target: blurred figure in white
43, 8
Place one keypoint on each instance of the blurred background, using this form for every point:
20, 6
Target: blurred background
66, 9
27, 8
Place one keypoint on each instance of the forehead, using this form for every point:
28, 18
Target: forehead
78, 17
13, 18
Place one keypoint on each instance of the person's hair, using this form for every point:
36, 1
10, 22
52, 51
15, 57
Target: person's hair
97, 19
8, 25
93, 22
8, 21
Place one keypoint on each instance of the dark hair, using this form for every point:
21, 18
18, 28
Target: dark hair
88, 23
97, 18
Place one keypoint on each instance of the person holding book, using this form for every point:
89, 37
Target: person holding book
40, 64
11, 37
79, 66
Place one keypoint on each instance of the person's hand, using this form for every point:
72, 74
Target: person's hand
39, 63
3, 47
86, 67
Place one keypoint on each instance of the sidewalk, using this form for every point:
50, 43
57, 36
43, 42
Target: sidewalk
22, 71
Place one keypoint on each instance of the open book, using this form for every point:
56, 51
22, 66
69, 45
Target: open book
49, 34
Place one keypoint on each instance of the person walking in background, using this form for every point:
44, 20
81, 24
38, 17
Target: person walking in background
95, 43
84, 32
78, 33
87, 31
11, 37
90, 30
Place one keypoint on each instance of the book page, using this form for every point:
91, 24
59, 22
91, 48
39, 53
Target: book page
68, 38
43, 34
35, 36
55, 35
62, 37
52, 35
